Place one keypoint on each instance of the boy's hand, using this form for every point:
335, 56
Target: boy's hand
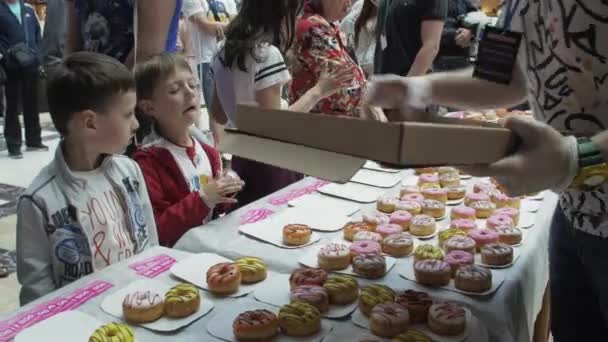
220, 190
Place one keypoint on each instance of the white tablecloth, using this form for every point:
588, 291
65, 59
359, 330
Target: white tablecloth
509, 314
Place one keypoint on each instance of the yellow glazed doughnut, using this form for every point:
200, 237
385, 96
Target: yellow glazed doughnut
299, 319
113, 332
253, 270
182, 300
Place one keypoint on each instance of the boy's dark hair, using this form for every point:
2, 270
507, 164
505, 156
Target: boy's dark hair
85, 81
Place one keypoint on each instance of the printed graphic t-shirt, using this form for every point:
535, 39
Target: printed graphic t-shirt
103, 218
564, 55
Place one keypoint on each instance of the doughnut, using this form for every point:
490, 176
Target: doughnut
457, 258
296, 234
413, 207
334, 256
433, 208
483, 187
423, 225
413, 197
423, 170
375, 219
409, 189
351, 228
398, 245
499, 220
365, 247
464, 224
463, 212
342, 289
460, 243
253, 270
448, 180
386, 204
388, 229
483, 209
448, 170
369, 265
412, 335
312, 294
511, 212
224, 278
476, 197
307, 276
436, 194
417, 303
373, 295
182, 300
389, 319
433, 272
143, 307
447, 319
424, 252
299, 319
509, 235
483, 237
256, 325
368, 236
428, 178
444, 235
113, 332
473, 278
402, 218
503, 201
496, 254
456, 192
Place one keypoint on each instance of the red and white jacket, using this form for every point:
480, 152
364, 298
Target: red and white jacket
177, 209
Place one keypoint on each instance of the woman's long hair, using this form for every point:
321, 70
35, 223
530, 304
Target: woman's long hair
270, 21
368, 11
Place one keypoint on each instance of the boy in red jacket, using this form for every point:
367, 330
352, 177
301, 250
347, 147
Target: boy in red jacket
183, 174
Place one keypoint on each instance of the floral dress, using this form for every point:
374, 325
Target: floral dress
319, 42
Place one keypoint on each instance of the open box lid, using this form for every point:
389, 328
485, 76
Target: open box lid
335, 148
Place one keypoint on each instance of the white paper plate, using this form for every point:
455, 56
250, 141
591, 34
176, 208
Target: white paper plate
515, 257
194, 270
377, 179
68, 326
526, 220
454, 203
276, 292
372, 165
406, 270
426, 237
220, 325
530, 206
360, 320
316, 201
112, 304
463, 176
323, 219
273, 234
538, 197
353, 192
310, 260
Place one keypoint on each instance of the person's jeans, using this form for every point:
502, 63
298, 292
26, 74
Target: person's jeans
22, 87
451, 63
208, 82
579, 283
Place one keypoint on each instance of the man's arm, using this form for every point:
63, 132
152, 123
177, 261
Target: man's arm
153, 21
206, 25
430, 34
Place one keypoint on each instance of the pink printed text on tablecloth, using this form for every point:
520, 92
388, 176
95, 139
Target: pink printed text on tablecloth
153, 266
11, 327
285, 198
255, 215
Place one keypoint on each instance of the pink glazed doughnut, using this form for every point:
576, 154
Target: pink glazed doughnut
476, 197
428, 178
483, 187
402, 218
463, 212
511, 212
483, 237
464, 224
459, 258
389, 229
365, 247
499, 220
413, 197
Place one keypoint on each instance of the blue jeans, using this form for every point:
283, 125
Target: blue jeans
208, 82
579, 283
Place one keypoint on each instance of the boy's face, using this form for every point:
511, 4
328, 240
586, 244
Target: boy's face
117, 125
176, 101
